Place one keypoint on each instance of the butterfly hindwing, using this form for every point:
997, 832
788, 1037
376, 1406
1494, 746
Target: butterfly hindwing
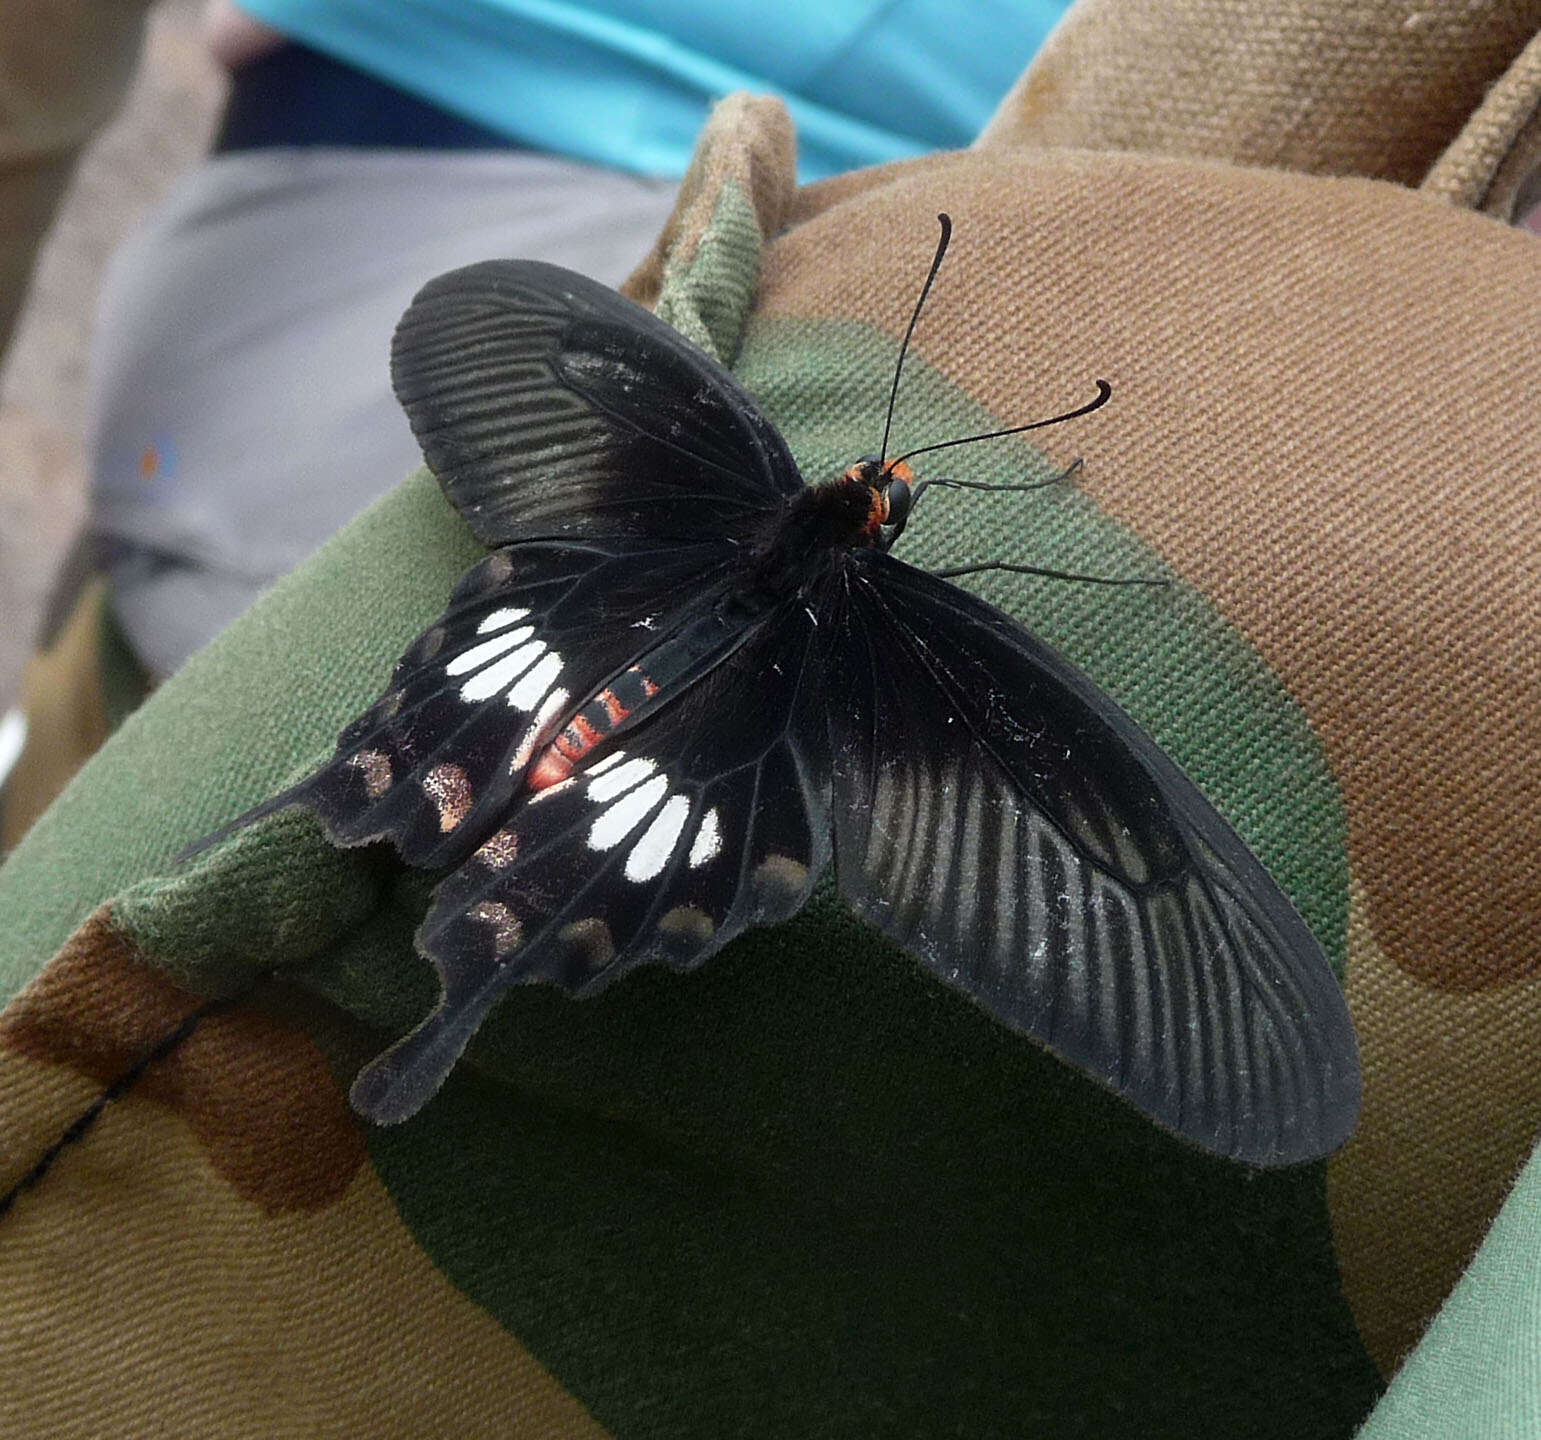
548, 405
675, 838
1004, 821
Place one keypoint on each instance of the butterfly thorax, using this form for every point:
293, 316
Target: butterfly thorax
818, 526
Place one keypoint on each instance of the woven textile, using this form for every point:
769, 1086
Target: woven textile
806, 1191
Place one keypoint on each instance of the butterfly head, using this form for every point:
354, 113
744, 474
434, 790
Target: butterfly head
889, 494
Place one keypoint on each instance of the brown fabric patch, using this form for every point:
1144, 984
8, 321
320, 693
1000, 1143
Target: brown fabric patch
255, 1092
749, 141
1378, 88
1311, 421
1490, 163
824, 195
142, 1297
1451, 1110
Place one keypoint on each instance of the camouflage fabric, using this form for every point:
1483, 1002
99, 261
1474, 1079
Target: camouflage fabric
806, 1191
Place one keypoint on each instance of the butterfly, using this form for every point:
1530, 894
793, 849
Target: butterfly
683, 682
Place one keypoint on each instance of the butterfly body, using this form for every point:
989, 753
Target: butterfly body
793, 553
684, 682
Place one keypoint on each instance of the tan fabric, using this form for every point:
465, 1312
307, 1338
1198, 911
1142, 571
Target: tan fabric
1449, 1103
64, 68
1492, 164
252, 1090
748, 143
257, 1278
1369, 87
242, 1324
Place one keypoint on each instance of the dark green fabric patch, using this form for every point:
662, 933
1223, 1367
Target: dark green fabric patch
808, 1191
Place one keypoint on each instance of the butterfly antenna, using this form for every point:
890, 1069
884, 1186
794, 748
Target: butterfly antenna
945, 221
1104, 394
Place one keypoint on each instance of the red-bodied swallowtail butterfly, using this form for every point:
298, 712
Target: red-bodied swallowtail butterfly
683, 682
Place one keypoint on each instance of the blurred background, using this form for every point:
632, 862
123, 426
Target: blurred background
197, 392
163, 129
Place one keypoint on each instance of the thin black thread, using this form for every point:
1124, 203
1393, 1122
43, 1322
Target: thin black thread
119, 1087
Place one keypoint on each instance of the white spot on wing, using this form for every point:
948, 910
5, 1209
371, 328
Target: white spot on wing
530, 691
600, 766
612, 784
624, 815
651, 853
487, 651
496, 676
500, 620
708, 842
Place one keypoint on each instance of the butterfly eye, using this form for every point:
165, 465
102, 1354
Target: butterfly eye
900, 498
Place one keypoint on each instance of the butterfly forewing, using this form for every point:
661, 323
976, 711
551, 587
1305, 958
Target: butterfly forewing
1004, 821
548, 405
675, 838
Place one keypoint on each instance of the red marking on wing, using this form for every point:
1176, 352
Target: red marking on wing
577, 739
550, 769
613, 707
584, 731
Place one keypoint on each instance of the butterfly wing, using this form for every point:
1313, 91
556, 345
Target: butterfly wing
679, 835
549, 406
1003, 820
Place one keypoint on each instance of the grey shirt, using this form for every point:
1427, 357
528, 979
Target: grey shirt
240, 406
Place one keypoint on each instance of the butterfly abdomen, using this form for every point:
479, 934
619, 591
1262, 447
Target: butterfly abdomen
594, 723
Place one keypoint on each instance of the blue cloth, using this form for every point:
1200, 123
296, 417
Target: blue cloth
628, 83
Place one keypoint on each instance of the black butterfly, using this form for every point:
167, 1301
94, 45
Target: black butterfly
683, 682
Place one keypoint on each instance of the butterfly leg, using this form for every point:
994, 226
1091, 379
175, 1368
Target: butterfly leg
903, 516
1057, 479
954, 571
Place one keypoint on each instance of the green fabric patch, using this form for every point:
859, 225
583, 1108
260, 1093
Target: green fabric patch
247, 715
708, 300
285, 895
